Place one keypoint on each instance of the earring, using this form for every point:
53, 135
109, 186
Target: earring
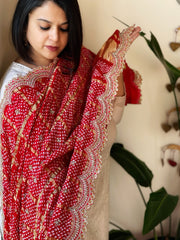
26, 43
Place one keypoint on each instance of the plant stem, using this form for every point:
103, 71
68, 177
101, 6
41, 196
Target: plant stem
177, 108
155, 235
132, 237
141, 193
162, 231
170, 223
115, 225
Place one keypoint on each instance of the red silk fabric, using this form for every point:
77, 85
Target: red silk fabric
48, 163
53, 131
132, 81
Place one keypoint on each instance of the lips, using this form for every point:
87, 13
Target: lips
52, 48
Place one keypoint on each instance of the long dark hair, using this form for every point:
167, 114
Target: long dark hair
20, 22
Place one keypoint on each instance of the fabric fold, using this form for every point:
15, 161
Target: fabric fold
53, 131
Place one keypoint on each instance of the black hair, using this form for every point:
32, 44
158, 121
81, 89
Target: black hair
20, 22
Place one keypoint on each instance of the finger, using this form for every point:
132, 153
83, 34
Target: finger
135, 33
136, 30
129, 30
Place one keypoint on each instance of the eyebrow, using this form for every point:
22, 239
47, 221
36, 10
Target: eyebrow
45, 20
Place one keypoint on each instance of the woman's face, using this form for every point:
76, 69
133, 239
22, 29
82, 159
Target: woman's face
47, 33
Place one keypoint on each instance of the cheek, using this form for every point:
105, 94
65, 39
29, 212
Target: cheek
32, 33
34, 40
64, 40
30, 36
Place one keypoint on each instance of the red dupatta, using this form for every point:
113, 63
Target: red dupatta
53, 132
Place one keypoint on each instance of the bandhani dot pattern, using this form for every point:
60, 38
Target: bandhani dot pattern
53, 129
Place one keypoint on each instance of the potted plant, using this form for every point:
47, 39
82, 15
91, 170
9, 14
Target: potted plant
160, 204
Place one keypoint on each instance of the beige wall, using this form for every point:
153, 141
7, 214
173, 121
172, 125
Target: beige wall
7, 52
140, 129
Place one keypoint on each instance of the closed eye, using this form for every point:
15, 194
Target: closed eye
64, 29
44, 28
61, 29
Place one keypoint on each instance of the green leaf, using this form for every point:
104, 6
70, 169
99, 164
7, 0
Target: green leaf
142, 34
173, 72
155, 47
120, 235
159, 207
132, 165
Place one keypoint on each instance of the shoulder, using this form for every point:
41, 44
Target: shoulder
15, 70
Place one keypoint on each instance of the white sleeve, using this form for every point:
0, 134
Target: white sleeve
15, 70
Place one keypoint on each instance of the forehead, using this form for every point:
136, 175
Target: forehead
49, 11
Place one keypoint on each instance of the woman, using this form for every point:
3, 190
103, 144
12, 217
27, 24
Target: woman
57, 101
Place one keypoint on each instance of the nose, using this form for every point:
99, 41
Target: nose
54, 34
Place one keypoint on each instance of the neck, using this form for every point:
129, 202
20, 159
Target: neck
30, 65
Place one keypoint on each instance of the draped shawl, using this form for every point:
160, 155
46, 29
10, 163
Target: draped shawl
53, 129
